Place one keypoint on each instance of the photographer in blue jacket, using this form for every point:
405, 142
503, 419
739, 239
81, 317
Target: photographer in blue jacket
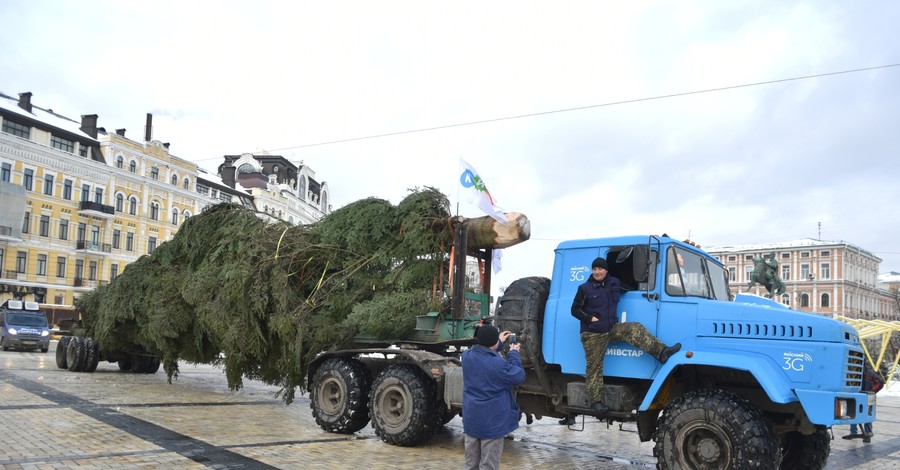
489, 409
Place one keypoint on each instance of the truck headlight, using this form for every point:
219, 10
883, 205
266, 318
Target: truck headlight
45, 333
12, 331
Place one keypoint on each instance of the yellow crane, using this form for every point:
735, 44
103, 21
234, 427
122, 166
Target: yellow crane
871, 329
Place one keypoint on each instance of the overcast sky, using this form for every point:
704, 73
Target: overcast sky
753, 164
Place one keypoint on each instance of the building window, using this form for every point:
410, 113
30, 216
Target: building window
82, 229
67, 190
324, 205
825, 271
202, 189
79, 269
95, 234
120, 162
21, 261
826, 300
187, 183
132, 167
129, 241
5, 172
92, 271
117, 234
48, 185
98, 195
732, 274
748, 257
748, 270
44, 227
174, 180
132, 205
804, 272
63, 229
151, 244
85, 192
16, 129
825, 253
42, 265
82, 150
60, 266
804, 300
785, 272
65, 145
785, 255
154, 173
120, 202
1, 258
26, 223
28, 179
113, 271
154, 211
786, 299
804, 254
175, 216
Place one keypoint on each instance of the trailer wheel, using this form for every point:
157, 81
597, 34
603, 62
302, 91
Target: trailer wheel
76, 354
61, 352
339, 396
154, 365
92, 358
714, 429
124, 363
402, 403
805, 452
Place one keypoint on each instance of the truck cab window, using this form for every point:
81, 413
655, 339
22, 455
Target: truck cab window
686, 274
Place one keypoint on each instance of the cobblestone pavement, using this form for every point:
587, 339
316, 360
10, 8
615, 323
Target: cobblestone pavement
56, 419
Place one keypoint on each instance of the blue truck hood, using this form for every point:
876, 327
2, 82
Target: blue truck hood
750, 316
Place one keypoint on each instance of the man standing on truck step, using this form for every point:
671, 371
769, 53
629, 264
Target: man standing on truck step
595, 306
489, 411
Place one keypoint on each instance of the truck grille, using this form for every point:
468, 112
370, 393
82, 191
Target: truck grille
761, 330
855, 361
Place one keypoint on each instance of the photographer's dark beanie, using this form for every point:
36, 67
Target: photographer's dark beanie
599, 263
487, 335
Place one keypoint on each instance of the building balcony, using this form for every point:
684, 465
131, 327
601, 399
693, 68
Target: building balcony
96, 209
84, 246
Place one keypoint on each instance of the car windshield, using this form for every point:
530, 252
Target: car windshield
26, 319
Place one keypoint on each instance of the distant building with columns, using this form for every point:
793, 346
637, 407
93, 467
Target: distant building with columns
824, 277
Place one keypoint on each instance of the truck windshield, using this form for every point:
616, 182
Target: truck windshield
686, 275
26, 319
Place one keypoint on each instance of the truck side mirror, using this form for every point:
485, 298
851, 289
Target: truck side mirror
640, 262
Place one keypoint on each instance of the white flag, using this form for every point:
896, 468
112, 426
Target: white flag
471, 181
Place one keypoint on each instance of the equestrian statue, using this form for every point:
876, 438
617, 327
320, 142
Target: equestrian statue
765, 273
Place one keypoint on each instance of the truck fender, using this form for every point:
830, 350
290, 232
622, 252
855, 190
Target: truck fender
766, 372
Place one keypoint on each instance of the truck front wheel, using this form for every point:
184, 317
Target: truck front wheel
805, 452
402, 401
338, 396
714, 429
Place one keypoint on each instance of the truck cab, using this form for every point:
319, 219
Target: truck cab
795, 374
24, 326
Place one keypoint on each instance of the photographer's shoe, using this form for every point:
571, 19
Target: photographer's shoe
568, 420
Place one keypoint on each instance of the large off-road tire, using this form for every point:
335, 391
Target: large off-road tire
61, 352
124, 363
339, 396
805, 452
714, 430
3, 344
92, 350
140, 364
403, 406
521, 310
76, 354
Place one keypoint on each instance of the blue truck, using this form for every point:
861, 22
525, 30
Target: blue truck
755, 384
